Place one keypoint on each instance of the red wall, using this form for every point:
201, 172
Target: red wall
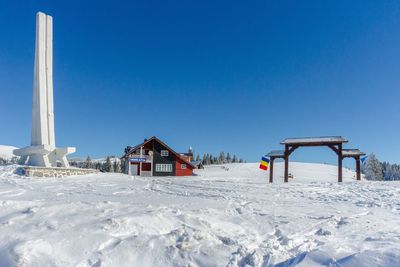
185, 172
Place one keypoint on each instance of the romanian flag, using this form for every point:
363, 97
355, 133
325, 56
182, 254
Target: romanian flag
264, 163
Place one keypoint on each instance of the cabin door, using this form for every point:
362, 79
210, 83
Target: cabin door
134, 169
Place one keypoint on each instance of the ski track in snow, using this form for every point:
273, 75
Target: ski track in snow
223, 217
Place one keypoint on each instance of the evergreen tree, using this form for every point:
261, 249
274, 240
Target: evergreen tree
234, 159
112, 165
117, 166
228, 158
198, 158
122, 165
88, 163
107, 166
204, 159
210, 159
98, 166
373, 168
221, 158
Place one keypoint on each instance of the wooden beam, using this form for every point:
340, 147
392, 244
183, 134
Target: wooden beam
340, 160
271, 170
334, 149
291, 149
358, 169
286, 164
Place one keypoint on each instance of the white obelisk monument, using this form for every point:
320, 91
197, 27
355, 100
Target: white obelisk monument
43, 151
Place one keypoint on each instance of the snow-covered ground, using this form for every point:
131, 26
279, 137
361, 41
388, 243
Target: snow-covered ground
225, 216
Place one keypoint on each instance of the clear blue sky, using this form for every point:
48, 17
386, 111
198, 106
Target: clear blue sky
237, 76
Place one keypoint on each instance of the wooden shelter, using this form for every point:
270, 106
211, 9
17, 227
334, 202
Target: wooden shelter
333, 142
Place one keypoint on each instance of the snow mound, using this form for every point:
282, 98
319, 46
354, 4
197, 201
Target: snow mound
227, 215
6, 152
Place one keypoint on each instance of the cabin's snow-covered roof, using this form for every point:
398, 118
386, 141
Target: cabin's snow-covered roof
314, 140
276, 153
133, 149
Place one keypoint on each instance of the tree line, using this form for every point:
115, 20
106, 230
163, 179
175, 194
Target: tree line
373, 169
111, 164
222, 158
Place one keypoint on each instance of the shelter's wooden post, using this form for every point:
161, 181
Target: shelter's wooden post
286, 164
358, 169
340, 159
271, 170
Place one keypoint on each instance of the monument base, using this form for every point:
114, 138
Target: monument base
44, 155
33, 171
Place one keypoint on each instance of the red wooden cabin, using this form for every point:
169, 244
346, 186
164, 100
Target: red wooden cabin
154, 158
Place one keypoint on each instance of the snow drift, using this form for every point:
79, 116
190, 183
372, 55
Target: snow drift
226, 216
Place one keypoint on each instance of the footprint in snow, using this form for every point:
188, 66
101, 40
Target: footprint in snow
322, 232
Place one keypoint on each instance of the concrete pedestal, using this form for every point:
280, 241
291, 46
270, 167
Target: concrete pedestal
54, 172
44, 155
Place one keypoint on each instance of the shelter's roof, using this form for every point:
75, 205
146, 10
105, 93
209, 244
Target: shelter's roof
352, 152
276, 153
314, 140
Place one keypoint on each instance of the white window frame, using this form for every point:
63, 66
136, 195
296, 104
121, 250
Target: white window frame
183, 166
164, 153
163, 167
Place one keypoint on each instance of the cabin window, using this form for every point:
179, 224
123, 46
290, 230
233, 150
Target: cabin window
164, 153
183, 166
163, 167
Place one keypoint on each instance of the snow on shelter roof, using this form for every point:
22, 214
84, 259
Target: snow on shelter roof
314, 140
276, 153
352, 152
